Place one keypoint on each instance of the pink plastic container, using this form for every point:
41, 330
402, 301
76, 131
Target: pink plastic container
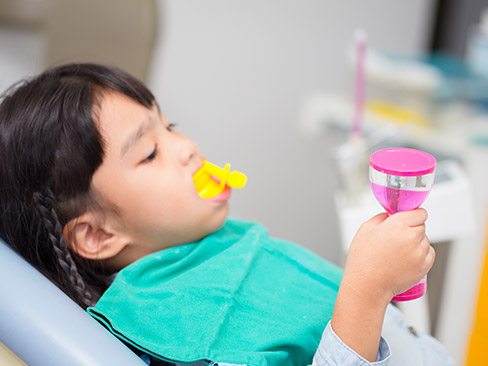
401, 179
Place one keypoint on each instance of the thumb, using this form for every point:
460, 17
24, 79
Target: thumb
378, 219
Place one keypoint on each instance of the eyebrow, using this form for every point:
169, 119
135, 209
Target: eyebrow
133, 137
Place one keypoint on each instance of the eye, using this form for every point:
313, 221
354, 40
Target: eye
151, 156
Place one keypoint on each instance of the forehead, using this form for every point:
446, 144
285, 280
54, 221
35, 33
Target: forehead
118, 115
117, 111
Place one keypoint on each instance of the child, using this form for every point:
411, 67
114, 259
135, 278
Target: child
97, 194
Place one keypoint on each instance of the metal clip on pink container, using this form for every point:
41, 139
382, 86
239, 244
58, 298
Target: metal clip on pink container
401, 179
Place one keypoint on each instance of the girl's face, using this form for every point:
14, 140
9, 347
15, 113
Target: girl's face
147, 174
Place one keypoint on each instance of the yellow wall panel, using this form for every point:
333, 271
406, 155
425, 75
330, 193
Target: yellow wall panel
478, 345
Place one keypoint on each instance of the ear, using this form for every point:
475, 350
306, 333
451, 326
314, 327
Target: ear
92, 239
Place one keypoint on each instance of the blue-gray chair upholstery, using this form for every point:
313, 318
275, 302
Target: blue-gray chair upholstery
43, 326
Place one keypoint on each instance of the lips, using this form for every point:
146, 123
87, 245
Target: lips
222, 197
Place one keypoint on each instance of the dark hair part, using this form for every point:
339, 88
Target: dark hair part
50, 148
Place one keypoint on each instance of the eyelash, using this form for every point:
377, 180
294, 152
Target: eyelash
152, 156
154, 153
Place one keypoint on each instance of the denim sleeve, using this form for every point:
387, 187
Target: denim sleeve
410, 347
333, 351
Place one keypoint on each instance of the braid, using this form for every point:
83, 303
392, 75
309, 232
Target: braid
56, 115
44, 204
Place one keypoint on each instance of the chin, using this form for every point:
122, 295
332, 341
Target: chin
217, 220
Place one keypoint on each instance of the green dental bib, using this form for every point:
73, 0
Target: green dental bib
237, 296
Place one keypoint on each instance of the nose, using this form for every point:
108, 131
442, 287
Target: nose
188, 150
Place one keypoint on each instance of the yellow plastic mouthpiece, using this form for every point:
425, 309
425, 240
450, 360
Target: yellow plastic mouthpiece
210, 180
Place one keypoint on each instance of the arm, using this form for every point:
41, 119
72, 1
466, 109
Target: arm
358, 320
387, 256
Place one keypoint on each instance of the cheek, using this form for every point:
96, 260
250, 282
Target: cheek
166, 199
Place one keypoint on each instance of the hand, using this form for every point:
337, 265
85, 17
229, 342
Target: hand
388, 255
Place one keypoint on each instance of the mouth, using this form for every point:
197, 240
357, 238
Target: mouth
214, 182
222, 197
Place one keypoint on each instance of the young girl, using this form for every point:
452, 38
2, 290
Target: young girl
97, 193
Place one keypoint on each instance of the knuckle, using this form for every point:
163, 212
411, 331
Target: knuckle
412, 236
425, 246
419, 234
421, 212
429, 261
432, 253
396, 223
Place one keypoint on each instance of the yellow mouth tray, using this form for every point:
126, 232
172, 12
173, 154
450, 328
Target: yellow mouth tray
205, 179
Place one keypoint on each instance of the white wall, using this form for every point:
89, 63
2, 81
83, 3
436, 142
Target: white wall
21, 54
233, 75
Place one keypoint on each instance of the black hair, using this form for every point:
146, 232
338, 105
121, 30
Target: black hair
50, 147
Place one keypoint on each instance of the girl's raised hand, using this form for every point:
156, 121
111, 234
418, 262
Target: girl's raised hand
389, 254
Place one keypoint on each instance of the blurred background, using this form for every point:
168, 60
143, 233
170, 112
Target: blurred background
269, 86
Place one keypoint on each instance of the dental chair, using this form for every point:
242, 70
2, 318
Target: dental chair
42, 326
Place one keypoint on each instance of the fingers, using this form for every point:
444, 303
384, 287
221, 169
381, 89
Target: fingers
419, 231
377, 219
373, 222
430, 258
413, 218
427, 252
425, 245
